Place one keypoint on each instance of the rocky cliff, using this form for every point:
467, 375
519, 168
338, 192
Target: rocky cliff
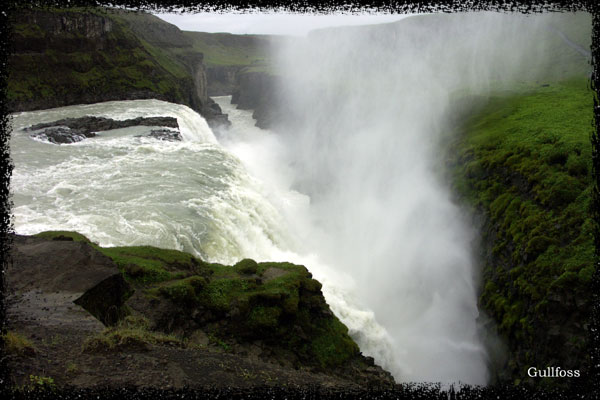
74, 56
258, 90
242, 66
523, 165
165, 319
225, 55
222, 80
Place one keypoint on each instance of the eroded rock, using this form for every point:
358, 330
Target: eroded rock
58, 273
71, 130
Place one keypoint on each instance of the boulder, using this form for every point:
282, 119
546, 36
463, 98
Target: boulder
62, 135
56, 274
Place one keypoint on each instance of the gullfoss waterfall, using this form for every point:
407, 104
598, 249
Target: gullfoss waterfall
350, 185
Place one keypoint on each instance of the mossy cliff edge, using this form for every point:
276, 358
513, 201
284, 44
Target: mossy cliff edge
522, 162
157, 303
87, 55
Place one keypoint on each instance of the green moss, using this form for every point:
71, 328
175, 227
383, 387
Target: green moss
15, 343
333, 346
147, 264
262, 317
182, 291
131, 332
271, 310
62, 235
246, 266
523, 161
538, 244
41, 383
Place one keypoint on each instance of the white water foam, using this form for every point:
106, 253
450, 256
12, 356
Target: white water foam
196, 196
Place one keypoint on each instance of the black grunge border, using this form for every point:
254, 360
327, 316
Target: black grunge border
584, 389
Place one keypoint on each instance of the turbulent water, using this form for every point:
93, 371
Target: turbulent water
222, 200
122, 189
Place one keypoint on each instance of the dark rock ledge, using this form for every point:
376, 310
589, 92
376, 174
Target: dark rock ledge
78, 313
71, 130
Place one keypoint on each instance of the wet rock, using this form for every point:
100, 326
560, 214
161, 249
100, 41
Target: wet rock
60, 273
62, 135
258, 91
71, 130
89, 123
165, 134
105, 300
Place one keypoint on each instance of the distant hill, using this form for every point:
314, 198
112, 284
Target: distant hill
87, 55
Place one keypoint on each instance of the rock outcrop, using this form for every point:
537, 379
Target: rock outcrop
71, 130
257, 90
53, 283
74, 56
165, 134
82, 309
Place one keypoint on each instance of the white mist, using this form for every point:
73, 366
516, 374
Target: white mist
366, 110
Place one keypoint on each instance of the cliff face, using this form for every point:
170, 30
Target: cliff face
242, 66
258, 91
64, 57
222, 80
523, 164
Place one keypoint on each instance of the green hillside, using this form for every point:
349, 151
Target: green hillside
524, 163
93, 56
225, 49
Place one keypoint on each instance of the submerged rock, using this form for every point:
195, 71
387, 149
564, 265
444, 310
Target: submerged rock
165, 134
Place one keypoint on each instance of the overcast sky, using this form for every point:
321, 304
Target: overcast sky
270, 23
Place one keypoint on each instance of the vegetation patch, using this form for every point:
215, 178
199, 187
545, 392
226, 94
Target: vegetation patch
130, 333
54, 68
147, 264
63, 235
524, 162
278, 304
15, 343
181, 291
224, 49
41, 383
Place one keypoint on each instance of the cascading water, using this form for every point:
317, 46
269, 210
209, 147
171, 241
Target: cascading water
121, 188
349, 186
365, 110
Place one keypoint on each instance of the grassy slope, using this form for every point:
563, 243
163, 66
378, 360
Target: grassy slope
249, 53
524, 161
60, 71
271, 310
224, 49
